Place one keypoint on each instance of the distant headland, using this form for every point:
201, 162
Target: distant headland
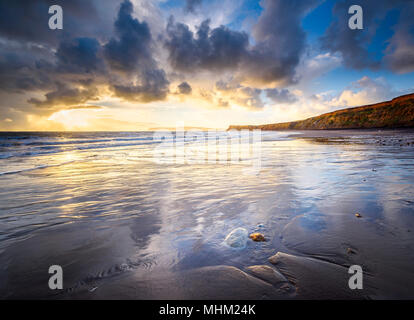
396, 113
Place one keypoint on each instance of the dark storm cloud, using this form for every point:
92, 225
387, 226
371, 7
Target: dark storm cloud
192, 5
65, 95
280, 96
153, 87
22, 70
131, 53
219, 48
279, 43
184, 88
133, 43
79, 56
400, 51
71, 68
33, 57
353, 44
25, 20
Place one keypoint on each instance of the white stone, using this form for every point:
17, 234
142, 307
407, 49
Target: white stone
237, 238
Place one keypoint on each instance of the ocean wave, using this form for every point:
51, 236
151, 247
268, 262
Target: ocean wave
36, 168
34, 146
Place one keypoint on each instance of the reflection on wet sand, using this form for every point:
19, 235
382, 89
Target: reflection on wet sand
123, 226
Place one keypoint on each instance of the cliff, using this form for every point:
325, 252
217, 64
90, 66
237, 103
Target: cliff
397, 113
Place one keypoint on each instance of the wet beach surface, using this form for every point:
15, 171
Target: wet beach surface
123, 226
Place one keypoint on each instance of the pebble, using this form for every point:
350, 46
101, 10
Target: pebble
237, 238
350, 251
258, 237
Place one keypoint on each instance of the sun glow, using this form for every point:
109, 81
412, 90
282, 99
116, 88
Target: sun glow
74, 119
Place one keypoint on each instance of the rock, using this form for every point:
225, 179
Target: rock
267, 274
273, 259
237, 238
358, 215
258, 237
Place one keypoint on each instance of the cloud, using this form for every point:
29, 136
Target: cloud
84, 107
353, 45
280, 42
209, 49
232, 93
109, 52
131, 54
281, 96
23, 67
312, 67
133, 44
272, 59
152, 87
79, 56
249, 97
399, 55
64, 96
192, 5
72, 70
362, 92
27, 20
184, 88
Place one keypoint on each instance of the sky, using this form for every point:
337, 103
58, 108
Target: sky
127, 65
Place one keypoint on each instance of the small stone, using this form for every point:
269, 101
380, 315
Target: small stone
350, 251
258, 237
237, 238
358, 215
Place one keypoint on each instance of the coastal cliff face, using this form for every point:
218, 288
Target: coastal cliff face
397, 113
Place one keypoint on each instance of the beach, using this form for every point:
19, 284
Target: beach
124, 225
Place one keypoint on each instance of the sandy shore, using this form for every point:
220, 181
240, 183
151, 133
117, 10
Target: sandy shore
159, 233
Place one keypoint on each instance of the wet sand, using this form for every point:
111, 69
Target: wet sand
318, 262
160, 233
